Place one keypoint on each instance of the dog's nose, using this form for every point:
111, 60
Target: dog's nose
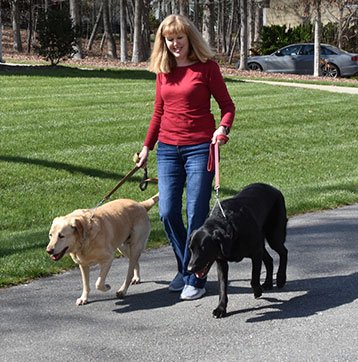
50, 250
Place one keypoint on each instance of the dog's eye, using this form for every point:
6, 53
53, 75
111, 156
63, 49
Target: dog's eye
61, 236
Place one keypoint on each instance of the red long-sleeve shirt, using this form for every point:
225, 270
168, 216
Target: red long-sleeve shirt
182, 114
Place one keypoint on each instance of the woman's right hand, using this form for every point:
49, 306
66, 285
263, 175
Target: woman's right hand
143, 157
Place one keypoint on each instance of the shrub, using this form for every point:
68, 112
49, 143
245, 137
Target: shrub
55, 35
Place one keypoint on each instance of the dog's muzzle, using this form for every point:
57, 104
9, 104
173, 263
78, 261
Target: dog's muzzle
202, 273
57, 256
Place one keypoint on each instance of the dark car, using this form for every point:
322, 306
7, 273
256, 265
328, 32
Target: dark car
299, 58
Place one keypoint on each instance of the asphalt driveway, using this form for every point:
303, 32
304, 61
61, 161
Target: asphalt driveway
314, 318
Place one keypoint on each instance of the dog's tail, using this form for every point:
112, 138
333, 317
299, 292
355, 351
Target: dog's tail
148, 204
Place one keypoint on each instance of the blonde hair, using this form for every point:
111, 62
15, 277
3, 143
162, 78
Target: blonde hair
161, 60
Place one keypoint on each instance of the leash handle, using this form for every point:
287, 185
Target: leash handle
214, 157
217, 169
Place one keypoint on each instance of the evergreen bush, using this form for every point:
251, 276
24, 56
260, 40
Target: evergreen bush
55, 35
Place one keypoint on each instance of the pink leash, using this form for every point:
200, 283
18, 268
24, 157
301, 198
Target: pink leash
213, 164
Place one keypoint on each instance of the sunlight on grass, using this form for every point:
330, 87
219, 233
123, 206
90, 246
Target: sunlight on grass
68, 137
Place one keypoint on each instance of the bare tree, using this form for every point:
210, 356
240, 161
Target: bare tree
208, 22
145, 44
251, 5
137, 55
317, 40
111, 44
258, 22
221, 27
184, 7
76, 21
243, 35
123, 25
196, 18
231, 27
16, 25
95, 27
30, 27
1, 60
347, 15
175, 7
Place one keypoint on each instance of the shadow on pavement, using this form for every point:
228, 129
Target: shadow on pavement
321, 294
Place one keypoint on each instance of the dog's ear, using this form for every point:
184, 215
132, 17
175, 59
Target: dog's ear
224, 241
79, 228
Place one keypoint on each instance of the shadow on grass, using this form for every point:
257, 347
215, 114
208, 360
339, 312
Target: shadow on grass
71, 72
88, 171
93, 172
20, 244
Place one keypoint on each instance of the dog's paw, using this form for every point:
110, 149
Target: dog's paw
219, 312
135, 280
257, 292
121, 294
267, 286
103, 288
280, 280
81, 301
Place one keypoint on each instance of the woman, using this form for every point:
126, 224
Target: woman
184, 127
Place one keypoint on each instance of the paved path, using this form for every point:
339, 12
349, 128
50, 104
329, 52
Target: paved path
329, 88
314, 318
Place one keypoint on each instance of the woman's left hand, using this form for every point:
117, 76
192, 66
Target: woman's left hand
221, 130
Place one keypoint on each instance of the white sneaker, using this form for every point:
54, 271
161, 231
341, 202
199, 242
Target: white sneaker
177, 284
191, 293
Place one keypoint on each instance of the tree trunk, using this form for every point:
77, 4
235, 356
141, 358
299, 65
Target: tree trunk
258, 23
16, 26
196, 18
184, 7
339, 30
111, 44
95, 27
234, 46
145, 46
251, 24
175, 7
76, 22
230, 28
29, 28
137, 54
130, 19
208, 22
123, 25
1, 60
222, 26
243, 35
317, 41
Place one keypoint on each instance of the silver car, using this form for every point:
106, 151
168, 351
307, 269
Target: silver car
298, 59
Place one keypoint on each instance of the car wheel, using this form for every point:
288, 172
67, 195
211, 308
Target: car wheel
330, 70
255, 66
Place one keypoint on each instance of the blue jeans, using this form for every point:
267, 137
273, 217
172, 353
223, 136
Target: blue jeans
177, 166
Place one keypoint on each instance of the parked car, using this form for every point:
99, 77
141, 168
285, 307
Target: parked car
298, 59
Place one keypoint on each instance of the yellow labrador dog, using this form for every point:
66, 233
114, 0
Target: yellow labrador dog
91, 236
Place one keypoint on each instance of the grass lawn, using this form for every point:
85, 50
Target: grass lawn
68, 136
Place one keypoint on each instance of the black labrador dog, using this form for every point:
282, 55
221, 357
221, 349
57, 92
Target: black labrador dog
239, 230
